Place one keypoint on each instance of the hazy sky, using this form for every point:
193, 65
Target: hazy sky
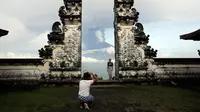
29, 21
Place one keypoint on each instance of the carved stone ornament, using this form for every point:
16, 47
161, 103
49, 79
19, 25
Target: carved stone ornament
150, 52
56, 36
140, 36
125, 11
45, 52
71, 11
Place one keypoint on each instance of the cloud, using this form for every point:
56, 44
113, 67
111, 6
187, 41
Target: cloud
91, 60
20, 39
39, 41
89, 51
100, 36
165, 37
157, 10
17, 55
29, 21
163, 55
18, 35
37, 15
110, 50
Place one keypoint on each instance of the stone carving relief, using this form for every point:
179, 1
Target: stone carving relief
130, 55
131, 41
72, 44
58, 57
126, 12
74, 8
56, 36
62, 11
140, 36
65, 42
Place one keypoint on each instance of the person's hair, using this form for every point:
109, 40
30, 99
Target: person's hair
86, 76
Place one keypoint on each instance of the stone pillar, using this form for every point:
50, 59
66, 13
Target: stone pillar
72, 35
64, 49
130, 41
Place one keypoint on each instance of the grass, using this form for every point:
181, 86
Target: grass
132, 98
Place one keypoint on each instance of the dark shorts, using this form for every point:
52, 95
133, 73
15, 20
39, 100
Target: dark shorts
89, 98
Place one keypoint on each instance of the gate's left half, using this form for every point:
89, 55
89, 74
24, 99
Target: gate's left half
68, 54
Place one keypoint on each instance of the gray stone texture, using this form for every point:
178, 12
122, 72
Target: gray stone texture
130, 41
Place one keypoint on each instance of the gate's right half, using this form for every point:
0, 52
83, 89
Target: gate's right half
132, 55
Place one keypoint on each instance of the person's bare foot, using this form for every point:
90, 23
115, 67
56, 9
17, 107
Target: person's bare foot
86, 106
81, 106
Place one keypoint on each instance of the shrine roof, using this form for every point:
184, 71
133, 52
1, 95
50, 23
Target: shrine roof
186, 61
3, 32
21, 61
191, 36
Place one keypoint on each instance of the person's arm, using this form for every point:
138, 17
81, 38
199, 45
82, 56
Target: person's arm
95, 78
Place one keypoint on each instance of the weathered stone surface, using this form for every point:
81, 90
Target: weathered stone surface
45, 52
132, 53
21, 72
71, 11
66, 42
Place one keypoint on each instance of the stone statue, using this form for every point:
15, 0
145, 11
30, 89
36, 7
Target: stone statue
150, 52
139, 27
134, 14
56, 28
62, 12
140, 36
45, 52
56, 36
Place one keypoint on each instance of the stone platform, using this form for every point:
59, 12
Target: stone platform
66, 82
100, 82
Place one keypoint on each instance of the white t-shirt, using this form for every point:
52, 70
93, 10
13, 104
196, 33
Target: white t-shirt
84, 87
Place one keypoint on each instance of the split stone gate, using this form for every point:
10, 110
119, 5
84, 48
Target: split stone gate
132, 55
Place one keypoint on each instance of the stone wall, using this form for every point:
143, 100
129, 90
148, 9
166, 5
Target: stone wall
21, 72
177, 71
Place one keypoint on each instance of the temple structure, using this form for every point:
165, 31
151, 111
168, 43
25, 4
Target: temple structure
179, 67
63, 54
18, 69
3, 32
195, 36
132, 55
191, 36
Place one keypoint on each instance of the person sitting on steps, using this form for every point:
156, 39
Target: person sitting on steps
84, 95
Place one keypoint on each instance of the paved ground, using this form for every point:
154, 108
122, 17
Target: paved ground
107, 99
